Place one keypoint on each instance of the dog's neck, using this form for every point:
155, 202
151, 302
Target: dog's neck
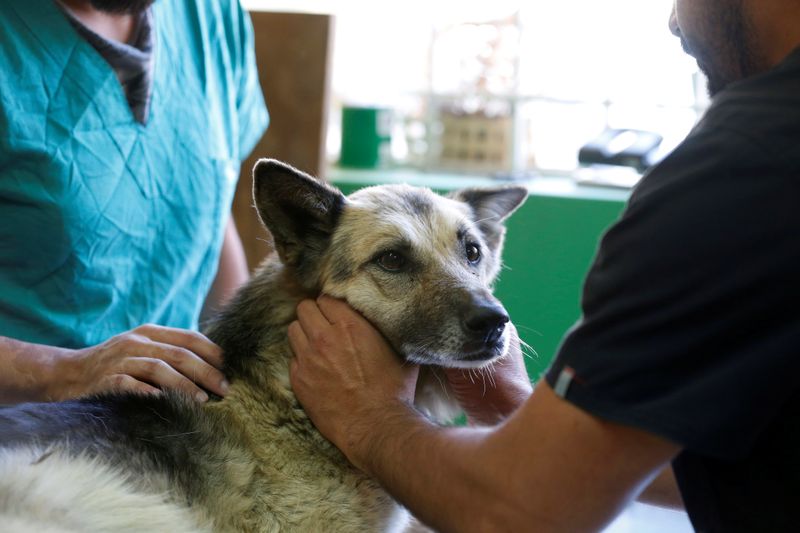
251, 330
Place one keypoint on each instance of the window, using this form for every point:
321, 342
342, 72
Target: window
581, 66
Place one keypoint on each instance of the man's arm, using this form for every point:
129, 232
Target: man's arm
232, 271
490, 403
27, 371
663, 491
550, 466
145, 360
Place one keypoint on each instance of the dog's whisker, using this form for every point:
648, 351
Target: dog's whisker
487, 218
527, 328
490, 372
525, 348
441, 383
172, 435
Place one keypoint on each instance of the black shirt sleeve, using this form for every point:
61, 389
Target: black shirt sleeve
690, 321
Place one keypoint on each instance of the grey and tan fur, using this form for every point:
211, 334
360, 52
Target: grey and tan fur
418, 265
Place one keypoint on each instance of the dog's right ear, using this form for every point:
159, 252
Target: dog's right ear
300, 211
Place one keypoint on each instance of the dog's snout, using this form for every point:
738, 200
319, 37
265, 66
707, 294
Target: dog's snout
486, 322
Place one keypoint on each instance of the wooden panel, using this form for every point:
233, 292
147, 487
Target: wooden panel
293, 57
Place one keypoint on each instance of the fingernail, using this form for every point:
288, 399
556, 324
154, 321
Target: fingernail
224, 385
201, 397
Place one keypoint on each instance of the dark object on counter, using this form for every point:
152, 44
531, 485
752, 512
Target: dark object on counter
632, 148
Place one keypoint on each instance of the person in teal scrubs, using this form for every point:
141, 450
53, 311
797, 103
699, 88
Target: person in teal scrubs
122, 129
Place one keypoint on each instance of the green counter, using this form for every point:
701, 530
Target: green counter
549, 246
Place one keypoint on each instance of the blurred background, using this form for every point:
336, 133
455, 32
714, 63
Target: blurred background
504, 86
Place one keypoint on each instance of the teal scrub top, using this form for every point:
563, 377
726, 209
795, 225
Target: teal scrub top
106, 224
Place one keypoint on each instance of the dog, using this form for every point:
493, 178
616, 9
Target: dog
419, 266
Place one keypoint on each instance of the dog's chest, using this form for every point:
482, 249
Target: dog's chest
320, 501
301, 482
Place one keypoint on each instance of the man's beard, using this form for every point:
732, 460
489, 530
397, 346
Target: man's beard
730, 53
129, 7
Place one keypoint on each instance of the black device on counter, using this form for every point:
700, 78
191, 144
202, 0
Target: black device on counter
624, 147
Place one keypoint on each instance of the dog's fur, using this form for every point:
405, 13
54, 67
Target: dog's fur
253, 461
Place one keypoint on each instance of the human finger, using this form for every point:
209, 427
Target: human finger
125, 383
311, 318
298, 341
191, 340
158, 373
189, 364
337, 311
294, 365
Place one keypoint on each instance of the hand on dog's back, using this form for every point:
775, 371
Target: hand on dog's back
147, 360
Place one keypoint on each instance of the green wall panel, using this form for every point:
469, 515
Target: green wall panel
549, 247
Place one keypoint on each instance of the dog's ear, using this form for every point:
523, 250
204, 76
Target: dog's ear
490, 207
300, 212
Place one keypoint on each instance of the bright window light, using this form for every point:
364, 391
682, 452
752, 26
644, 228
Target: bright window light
583, 65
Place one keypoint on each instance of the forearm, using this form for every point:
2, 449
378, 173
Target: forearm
232, 271
440, 474
27, 370
514, 476
663, 491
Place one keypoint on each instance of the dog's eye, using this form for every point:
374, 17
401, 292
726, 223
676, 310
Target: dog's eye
473, 253
391, 261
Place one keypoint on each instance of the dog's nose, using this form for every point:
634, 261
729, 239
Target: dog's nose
486, 322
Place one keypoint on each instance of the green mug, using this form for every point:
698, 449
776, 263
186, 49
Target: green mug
366, 137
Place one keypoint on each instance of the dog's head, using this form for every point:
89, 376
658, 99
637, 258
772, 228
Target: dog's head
417, 265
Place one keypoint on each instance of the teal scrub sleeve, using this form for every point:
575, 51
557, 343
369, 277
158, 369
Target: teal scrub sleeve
106, 223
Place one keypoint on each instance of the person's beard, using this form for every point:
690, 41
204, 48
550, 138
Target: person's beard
730, 52
129, 7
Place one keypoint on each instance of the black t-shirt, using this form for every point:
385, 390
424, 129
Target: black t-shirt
691, 310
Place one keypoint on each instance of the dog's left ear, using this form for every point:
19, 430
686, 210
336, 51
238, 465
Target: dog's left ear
491, 207
300, 212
